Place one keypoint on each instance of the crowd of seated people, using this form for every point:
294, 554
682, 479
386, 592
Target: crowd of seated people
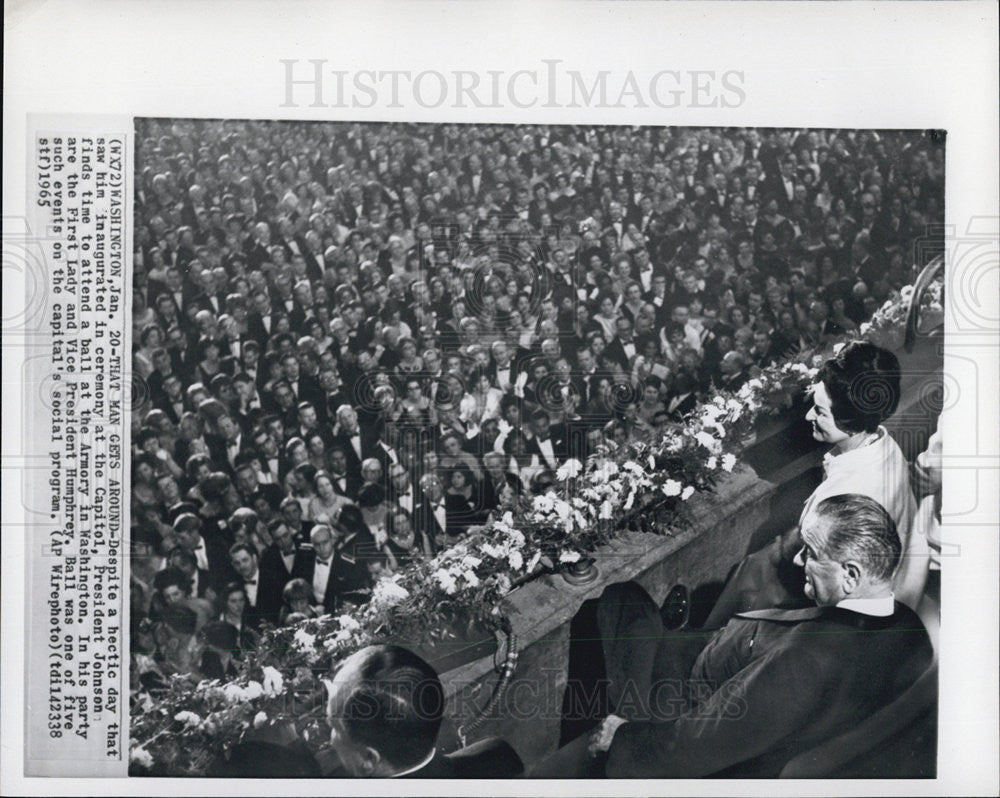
358, 341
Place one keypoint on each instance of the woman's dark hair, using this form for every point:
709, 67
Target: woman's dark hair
182, 620
221, 636
201, 350
171, 576
352, 520
465, 471
232, 587
862, 381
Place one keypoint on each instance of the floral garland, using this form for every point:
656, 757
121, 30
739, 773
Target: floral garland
179, 733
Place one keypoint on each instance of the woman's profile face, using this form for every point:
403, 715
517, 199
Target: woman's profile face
820, 415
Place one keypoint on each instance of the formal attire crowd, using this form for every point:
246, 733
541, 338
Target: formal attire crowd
358, 341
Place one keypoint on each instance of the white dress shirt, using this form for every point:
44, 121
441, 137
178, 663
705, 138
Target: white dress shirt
321, 576
201, 554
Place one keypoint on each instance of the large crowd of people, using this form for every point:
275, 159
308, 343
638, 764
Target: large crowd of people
360, 340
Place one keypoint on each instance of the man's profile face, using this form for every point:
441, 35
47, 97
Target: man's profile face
824, 576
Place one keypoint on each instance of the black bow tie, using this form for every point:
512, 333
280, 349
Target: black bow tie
322, 562
249, 581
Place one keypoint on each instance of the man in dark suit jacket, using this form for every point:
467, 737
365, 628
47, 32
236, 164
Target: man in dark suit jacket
372, 743
549, 449
280, 562
430, 515
332, 572
772, 683
358, 442
621, 349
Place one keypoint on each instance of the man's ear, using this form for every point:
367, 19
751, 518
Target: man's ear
852, 575
371, 761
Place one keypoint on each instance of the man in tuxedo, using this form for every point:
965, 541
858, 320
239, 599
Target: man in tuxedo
496, 477
430, 516
344, 482
732, 368
354, 439
228, 443
547, 450
384, 710
261, 320
211, 554
682, 398
504, 372
401, 491
771, 683
244, 562
202, 584
332, 572
280, 562
622, 347
269, 456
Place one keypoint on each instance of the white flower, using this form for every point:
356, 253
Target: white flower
508, 518
704, 439
140, 756
728, 462
687, 493
470, 577
274, 683
802, 368
516, 537
259, 719
755, 384
672, 487
606, 510
188, 718
629, 501
492, 551
349, 623
470, 562
712, 463
234, 693
446, 580
516, 560
708, 441
304, 639
543, 504
652, 463
568, 556
563, 509
863, 329
387, 593
255, 689
711, 411
837, 347
568, 470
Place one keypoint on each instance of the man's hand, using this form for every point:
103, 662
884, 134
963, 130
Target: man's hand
600, 740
